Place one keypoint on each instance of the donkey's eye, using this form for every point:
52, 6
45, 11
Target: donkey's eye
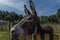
29, 18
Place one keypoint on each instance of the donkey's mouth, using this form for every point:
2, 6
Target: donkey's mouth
12, 31
15, 35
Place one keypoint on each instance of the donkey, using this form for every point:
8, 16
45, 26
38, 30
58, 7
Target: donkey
30, 25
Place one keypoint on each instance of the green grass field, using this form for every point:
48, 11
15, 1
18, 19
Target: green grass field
4, 35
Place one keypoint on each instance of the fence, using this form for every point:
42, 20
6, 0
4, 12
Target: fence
56, 27
46, 37
4, 26
7, 25
56, 36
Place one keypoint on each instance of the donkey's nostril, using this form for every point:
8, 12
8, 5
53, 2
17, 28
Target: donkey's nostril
12, 31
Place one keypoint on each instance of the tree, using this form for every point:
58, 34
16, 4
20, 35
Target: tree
9, 16
53, 19
20, 17
44, 19
58, 15
14, 16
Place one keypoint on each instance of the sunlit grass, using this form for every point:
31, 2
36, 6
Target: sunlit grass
4, 35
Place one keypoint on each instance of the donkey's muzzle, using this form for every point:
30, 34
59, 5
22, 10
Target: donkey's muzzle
12, 31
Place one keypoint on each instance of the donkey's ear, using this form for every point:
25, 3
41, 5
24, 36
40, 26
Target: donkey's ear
32, 8
26, 10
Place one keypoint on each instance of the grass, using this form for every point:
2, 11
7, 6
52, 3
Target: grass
4, 35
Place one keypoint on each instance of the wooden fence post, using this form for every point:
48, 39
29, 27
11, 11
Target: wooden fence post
9, 29
10, 25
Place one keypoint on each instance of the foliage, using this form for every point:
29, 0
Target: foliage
9, 16
55, 18
12, 16
44, 19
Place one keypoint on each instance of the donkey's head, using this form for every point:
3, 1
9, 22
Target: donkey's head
28, 22
31, 17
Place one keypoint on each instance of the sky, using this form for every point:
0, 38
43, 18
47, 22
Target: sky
43, 7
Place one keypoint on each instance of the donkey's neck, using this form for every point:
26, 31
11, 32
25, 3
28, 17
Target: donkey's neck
39, 25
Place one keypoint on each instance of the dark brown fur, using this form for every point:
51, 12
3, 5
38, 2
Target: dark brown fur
30, 21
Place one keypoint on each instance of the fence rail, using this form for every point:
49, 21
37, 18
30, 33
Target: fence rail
56, 27
46, 37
